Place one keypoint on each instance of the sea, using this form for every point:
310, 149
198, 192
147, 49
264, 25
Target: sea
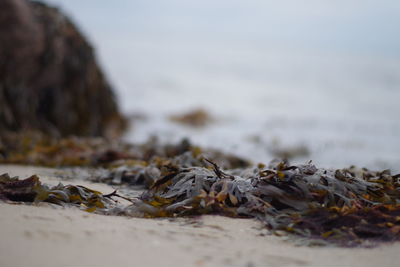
323, 76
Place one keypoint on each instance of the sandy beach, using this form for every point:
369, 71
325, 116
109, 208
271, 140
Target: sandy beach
106, 84
45, 235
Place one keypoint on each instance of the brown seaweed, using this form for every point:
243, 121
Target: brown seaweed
347, 207
38, 149
32, 190
195, 118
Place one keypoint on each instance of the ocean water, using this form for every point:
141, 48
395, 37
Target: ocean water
324, 75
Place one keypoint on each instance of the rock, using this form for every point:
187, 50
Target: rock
49, 78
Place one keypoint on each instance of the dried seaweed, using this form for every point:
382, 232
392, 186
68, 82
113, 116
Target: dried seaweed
347, 207
32, 190
37, 149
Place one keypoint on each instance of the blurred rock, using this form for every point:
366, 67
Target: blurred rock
49, 78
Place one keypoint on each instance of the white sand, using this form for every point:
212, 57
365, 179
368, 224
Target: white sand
46, 236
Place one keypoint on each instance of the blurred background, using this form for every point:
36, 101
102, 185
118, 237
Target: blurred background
313, 79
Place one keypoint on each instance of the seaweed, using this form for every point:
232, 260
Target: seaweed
195, 118
32, 190
345, 207
38, 149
